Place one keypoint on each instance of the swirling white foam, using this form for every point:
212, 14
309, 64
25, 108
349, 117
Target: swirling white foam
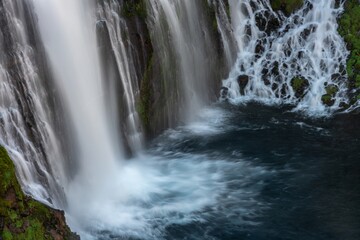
163, 187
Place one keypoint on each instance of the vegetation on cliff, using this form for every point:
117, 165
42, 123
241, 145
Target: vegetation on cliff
23, 218
349, 28
144, 105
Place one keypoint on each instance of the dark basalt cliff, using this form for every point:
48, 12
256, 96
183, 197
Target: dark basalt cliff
151, 97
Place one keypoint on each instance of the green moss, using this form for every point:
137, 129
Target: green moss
299, 85
19, 223
7, 175
144, 105
357, 81
13, 215
287, 6
136, 8
7, 234
35, 231
349, 28
24, 218
327, 99
210, 14
296, 83
228, 12
331, 89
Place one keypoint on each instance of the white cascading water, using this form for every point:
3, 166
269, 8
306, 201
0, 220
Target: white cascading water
306, 45
105, 193
225, 29
182, 39
68, 32
35, 152
125, 67
109, 197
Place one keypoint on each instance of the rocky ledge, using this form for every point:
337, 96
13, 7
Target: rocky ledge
21, 217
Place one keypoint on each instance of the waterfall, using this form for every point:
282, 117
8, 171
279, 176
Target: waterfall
69, 35
184, 46
27, 125
277, 52
70, 88
225, 29
75, 90
114, 36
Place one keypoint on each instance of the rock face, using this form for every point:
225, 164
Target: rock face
286, 6
21, 217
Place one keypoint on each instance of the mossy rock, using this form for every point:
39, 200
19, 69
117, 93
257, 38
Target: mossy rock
286, 6
329, 98
331, 89
299, 85
21, 217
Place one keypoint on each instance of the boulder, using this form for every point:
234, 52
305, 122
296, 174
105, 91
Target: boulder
223, 92
328, 98
242, 80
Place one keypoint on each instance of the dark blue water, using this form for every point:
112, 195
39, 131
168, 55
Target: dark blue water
242, 172
299, 178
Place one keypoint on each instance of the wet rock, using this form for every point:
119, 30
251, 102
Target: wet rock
338, 3
224, 92
284, 91
286, 6
344, 105
259, 48
266, 81
267, 22
329, 98
300, 86
275, 69
242, 80
307, 31
331, 89
248, 30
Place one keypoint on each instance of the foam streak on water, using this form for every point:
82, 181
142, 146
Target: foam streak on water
306, 44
